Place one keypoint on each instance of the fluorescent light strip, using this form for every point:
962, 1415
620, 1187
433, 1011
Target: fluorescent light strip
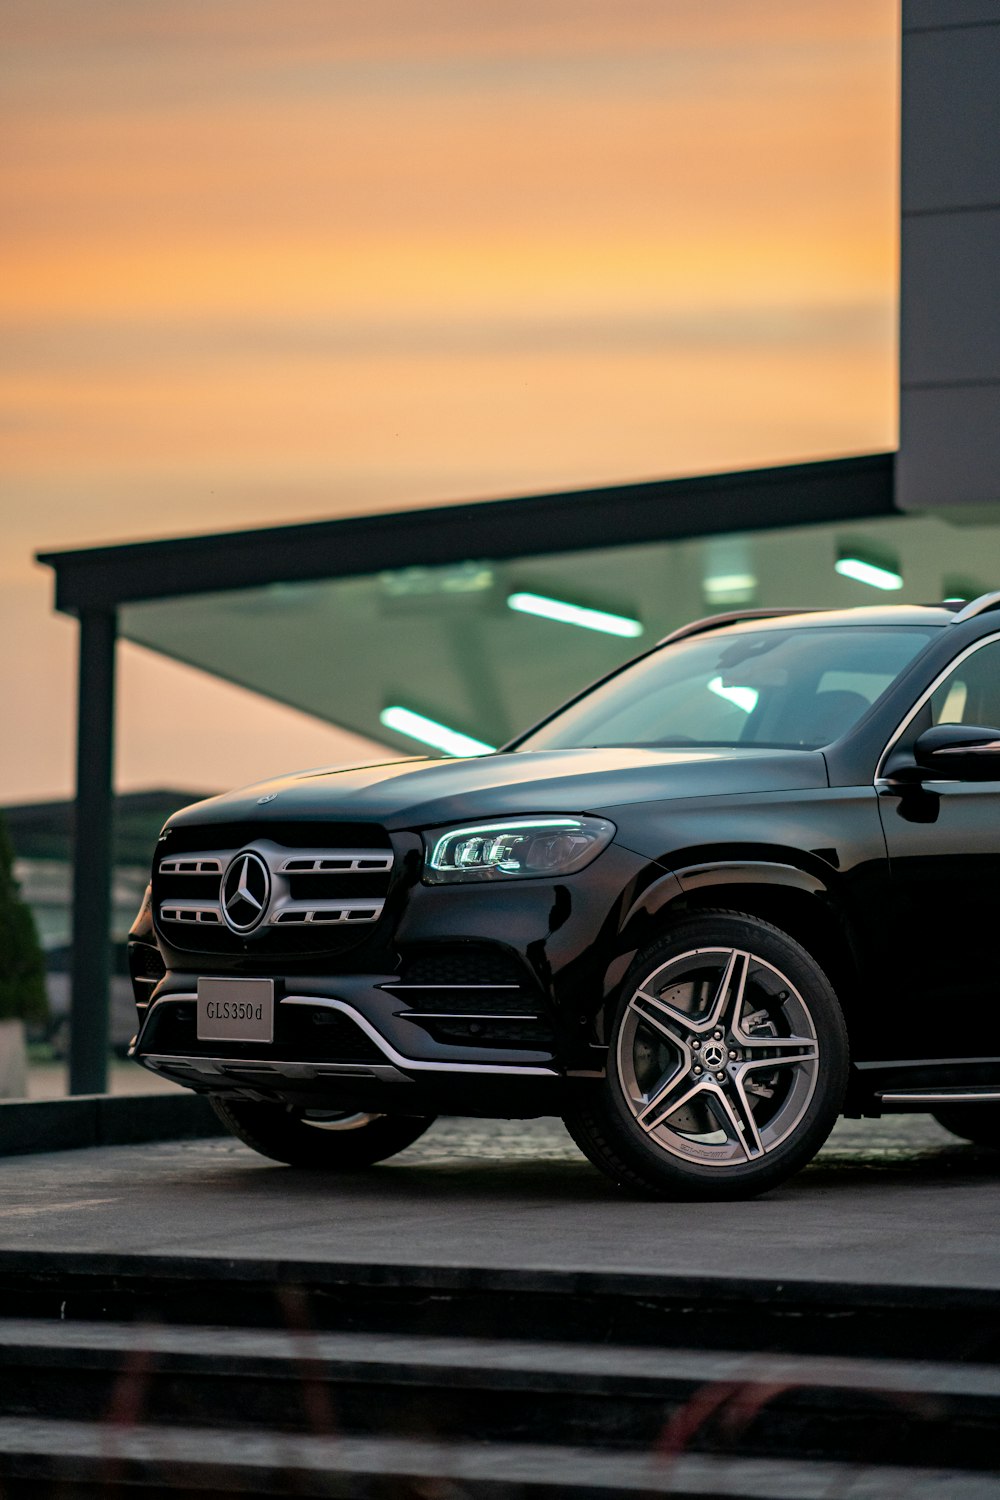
729, 588
429, 732
865, 572
573, 614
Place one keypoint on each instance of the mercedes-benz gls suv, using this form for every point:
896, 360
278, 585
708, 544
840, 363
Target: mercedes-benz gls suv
741, 885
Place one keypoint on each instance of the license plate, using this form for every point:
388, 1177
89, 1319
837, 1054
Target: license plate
235, 1010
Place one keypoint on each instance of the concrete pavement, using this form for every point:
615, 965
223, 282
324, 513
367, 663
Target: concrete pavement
897, 1201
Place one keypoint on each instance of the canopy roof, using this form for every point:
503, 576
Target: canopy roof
425, 610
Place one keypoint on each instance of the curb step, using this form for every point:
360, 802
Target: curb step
458, 1389
504, 1362
634, 1309
216, 1377
85, 1460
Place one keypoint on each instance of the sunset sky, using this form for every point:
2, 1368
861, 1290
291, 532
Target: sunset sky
267, 262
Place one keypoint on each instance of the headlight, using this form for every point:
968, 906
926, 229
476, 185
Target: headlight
514, 847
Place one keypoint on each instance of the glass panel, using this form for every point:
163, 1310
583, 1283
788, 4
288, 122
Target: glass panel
971, 695
739, 689
447, 644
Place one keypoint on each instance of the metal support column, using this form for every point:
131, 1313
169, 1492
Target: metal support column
91, 971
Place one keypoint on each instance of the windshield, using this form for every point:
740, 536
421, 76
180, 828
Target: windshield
793, 689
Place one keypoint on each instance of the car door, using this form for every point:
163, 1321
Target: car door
943, 841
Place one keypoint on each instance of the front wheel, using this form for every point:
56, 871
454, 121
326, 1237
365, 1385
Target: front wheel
334, 1141
727, 1064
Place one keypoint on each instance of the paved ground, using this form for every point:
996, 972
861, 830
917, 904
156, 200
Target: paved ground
896, 1201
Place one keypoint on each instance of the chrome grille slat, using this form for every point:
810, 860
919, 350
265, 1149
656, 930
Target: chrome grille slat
298, 913
193, 864
191, 911
287, 905
337, 862
468, 1015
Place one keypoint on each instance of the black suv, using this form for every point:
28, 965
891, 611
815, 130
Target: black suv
729, 892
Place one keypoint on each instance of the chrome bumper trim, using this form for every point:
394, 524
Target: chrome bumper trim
252, 1069
412, 1064
402, 1064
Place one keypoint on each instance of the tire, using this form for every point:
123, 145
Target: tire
978, 1123
757, 1010
333, 1142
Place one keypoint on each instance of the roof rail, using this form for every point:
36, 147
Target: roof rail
980, 606
734, 617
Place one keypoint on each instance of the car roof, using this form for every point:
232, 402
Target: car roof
743, 621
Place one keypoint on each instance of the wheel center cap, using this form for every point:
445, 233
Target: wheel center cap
714, 1054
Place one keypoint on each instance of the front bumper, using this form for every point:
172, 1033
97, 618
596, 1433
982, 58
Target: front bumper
489, 996
380, 1080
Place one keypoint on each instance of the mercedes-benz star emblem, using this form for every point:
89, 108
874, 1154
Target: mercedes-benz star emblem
714, 1055
246, 889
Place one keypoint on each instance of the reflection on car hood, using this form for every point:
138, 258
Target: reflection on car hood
422, 793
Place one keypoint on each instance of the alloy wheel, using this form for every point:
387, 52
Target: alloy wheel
718, 1057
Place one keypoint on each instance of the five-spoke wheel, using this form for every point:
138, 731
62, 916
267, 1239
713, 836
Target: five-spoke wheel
727, 1063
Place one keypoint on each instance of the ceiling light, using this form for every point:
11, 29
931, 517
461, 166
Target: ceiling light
573, 614
867, 572
729, 588
429, 732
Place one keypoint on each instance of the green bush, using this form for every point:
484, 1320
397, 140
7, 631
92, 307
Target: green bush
22, 966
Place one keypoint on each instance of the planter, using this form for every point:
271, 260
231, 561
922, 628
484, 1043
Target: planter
13, 1061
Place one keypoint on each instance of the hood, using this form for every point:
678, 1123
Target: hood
425, 793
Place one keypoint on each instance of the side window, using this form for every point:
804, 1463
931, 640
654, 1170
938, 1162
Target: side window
971, 693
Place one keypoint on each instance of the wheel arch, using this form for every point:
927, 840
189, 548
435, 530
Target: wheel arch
797, 901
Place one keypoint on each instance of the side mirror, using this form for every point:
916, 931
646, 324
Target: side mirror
961, 752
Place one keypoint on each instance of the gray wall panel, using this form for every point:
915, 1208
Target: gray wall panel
949, 447
951, 118
949, 419
948, 12
951, 298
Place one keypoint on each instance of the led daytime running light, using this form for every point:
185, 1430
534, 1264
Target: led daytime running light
525, 848
498, 829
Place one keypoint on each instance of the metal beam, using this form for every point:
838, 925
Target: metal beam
839, 489
91, 965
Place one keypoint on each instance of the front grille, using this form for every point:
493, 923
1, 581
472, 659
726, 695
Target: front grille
310, 895
302, 1033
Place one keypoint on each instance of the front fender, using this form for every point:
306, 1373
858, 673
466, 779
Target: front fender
750, 872
723, 872
654, 901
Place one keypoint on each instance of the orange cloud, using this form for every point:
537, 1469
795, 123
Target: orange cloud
266, 262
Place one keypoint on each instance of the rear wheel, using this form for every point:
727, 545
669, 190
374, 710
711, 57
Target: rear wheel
978, 1123
336, 1142
727, 1064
